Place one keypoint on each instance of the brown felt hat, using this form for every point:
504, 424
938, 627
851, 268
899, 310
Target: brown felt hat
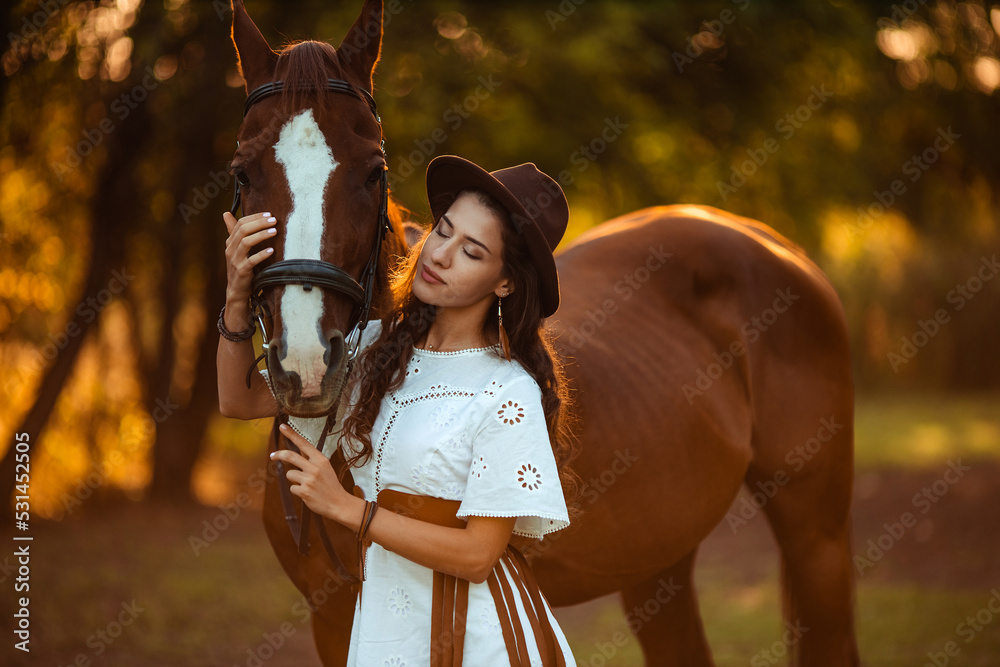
536, 203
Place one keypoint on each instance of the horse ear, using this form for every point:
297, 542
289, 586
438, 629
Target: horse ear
254, 57
362, 46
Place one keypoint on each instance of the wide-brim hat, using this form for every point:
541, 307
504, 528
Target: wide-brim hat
536, 203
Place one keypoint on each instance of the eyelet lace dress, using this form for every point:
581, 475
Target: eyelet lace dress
465, 426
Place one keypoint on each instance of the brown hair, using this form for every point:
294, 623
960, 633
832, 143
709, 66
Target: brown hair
380, 368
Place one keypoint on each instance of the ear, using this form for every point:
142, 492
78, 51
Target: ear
362, 46
255, 58
413, 233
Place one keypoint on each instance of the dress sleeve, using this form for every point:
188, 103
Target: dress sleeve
513, 472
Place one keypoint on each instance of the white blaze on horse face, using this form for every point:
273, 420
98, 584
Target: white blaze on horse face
308, 161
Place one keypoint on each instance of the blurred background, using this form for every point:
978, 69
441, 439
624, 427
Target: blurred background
864, 131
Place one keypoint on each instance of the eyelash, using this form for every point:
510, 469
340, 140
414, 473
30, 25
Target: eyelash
471, 256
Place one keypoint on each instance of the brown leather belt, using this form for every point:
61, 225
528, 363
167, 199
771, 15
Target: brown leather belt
450, 596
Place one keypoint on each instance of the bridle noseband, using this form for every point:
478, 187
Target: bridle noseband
311, 273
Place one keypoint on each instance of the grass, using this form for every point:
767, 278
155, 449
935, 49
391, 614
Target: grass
897, 626
919, 430
182, 608
219, 607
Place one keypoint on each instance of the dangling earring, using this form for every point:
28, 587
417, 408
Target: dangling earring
504, 343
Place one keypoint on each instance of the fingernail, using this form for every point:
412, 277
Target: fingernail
283, 426
270, 250
271, 455
272, 220
268, 213
272, 230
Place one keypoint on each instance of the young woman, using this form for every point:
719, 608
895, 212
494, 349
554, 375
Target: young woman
457, 423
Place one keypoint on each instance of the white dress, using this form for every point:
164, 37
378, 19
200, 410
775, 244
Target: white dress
465, 426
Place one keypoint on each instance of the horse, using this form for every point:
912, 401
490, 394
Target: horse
706, 353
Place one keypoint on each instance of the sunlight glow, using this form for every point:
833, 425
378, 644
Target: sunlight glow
165, 67
652, 147
883, 242
911, 43
118, 59
898, 44
987, 73
451, 25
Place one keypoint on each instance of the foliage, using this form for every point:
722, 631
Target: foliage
801, 115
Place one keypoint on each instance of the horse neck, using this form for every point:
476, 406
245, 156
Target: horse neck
394, 247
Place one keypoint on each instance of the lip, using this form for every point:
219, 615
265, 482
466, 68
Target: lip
429, 275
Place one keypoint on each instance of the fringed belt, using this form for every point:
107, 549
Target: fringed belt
450, 597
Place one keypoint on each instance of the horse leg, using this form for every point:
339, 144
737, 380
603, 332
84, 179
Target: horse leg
818, 582
809, 513
331, 626
663, 612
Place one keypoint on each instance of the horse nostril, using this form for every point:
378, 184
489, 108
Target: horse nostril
334, 352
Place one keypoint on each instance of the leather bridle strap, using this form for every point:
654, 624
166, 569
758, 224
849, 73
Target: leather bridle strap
309, 273
300, 529
332, 85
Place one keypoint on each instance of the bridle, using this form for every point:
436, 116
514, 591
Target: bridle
311, 273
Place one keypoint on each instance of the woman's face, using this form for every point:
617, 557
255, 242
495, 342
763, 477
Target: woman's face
461, 262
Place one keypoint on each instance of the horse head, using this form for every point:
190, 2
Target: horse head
310, 152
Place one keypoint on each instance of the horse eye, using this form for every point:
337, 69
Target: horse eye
241, 176
376, 174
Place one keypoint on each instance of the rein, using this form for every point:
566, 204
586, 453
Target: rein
311, 273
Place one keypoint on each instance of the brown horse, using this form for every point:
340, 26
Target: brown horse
706, 351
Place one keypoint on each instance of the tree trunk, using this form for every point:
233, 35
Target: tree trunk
113, 208
180, 434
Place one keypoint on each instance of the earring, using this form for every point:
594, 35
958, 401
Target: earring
504, 342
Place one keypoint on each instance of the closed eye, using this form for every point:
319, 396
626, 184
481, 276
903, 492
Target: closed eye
437, 230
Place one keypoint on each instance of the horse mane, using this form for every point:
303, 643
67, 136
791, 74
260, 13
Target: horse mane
305, 66
395, 247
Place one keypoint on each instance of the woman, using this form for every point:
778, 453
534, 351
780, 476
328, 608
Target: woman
457, 421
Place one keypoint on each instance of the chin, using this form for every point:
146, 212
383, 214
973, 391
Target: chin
429, 294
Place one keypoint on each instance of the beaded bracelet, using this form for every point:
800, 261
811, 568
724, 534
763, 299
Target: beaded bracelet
239, 336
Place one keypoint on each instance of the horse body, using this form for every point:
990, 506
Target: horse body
696, 373
704, 351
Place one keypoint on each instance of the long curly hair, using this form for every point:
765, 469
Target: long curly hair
380, 368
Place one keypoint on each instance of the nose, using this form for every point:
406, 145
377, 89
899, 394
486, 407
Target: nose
441, 255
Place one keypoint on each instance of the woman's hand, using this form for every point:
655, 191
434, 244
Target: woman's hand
244, 234
315, 481
469, 552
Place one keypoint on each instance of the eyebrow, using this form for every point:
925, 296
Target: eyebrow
478, 243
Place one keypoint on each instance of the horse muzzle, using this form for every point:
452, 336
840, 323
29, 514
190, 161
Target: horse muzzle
307, 379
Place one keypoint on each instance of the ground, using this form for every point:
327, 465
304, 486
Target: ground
134, 584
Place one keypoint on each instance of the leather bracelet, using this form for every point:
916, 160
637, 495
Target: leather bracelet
366, 520
239, 336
